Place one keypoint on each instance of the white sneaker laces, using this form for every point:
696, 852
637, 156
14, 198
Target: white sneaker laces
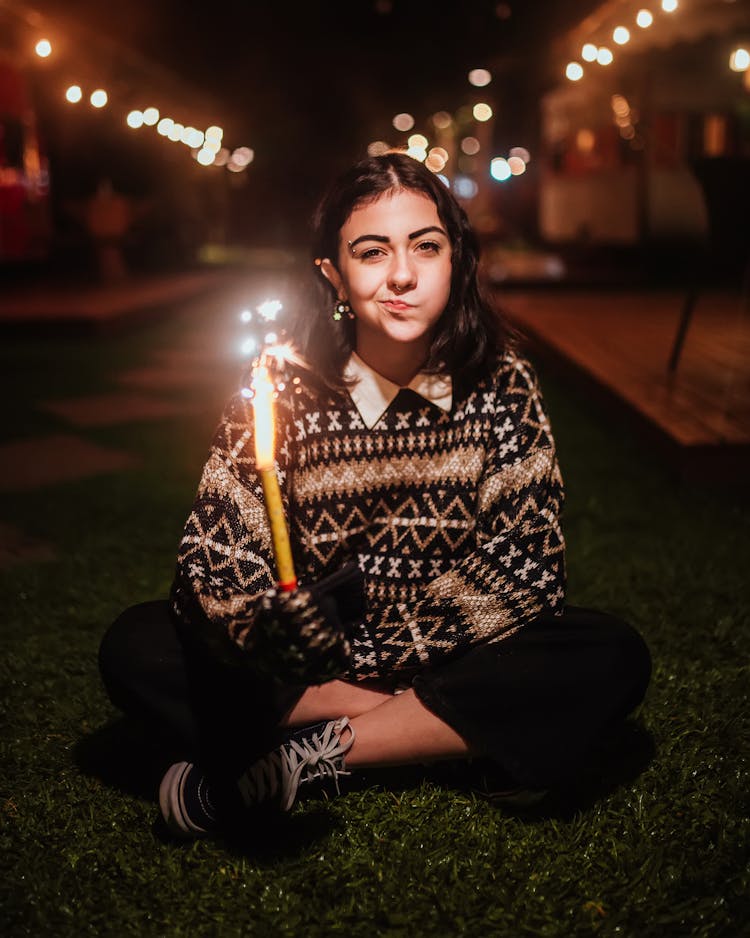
295, 762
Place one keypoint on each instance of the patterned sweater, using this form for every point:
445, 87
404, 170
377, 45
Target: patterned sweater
453, 517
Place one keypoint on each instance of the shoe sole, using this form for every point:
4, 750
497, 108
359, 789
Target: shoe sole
170, 803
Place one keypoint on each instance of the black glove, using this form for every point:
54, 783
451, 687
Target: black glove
303, 636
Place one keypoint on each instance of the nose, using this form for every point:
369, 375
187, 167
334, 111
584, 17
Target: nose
402, 275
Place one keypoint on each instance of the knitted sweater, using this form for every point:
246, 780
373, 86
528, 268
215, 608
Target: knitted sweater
453, 518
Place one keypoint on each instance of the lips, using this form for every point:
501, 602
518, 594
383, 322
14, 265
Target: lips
396, 305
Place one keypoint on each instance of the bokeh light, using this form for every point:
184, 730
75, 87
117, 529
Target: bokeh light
377, 148
516, 165
588, 52
669, 6
521, 153
621, 35
417, 153
585, 140
499, 169
98, 98
739, 60
43, 48
464, 187
150, 116
164, 126
470, 146
175, 132
604, 56
417, 140
644, 18
205, 157
574, 71
442, 120
135, 119
479, 77
403, 121
74, 94
243, 156
482, 112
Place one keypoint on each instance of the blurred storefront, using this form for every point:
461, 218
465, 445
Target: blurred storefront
646, 139
24, 175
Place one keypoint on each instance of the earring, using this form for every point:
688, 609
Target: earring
341, 309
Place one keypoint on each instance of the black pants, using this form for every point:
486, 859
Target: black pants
534, 702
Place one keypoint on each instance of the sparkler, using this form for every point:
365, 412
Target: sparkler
263, 392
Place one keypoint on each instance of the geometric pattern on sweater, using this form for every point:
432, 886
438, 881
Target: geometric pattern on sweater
453, 518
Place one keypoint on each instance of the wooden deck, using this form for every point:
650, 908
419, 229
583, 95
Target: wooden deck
619, 343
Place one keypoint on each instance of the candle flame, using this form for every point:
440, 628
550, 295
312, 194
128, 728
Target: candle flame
264, 423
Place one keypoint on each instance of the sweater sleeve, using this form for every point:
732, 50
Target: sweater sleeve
225, 558
517, 568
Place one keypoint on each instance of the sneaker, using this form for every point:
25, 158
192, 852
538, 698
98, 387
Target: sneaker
185, 801
191, 809
308, 754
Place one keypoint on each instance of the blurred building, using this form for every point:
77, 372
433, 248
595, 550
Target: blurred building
24, 173
82, 114
646, 137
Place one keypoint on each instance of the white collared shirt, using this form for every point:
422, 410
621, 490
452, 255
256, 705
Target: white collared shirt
373, 394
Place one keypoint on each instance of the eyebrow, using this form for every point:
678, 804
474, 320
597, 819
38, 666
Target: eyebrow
384, 239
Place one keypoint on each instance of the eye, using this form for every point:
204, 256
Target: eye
428, 247
370, 253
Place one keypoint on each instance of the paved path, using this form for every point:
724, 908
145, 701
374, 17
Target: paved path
168, 382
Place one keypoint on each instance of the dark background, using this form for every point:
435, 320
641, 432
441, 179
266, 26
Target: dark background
306, 85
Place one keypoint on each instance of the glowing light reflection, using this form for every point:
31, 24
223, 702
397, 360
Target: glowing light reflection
621, 35
479, 77
403, 121
499, 169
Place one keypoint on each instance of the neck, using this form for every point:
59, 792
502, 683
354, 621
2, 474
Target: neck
399, 363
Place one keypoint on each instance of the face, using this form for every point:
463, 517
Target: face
394, 268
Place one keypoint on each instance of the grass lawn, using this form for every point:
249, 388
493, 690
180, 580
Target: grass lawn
653, 841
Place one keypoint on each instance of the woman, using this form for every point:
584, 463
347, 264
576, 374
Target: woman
423, 494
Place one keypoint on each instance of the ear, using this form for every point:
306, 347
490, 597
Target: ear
333, 277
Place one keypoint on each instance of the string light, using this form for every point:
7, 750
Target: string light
604, 56
621, 35
588, 52
166, 127
669, 6
644, 18
574, 71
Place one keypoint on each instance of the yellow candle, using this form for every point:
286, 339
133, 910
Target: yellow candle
265, 433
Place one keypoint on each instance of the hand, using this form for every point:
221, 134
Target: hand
303, 636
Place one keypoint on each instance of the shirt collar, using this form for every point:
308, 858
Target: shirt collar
373, 394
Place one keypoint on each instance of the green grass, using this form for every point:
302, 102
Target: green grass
653, 841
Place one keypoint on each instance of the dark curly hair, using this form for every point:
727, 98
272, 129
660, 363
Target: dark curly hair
470, 333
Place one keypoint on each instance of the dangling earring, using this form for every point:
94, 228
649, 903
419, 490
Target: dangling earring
341, 309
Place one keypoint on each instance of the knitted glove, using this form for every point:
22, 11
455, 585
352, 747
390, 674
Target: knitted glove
303, 636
